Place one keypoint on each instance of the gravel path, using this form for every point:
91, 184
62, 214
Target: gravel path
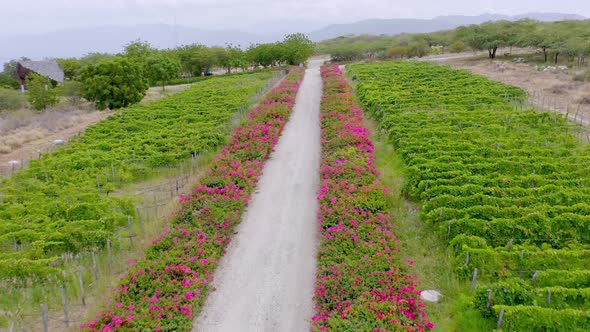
265, 281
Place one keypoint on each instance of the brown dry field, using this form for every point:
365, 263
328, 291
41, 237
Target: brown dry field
25, 133
551, 90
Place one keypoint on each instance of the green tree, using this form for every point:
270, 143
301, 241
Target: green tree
138, 50
265, 55
41, 91
114, 84
70, 66
235, 58
94, 58
161, 69
297, 48
487, 36
186, 56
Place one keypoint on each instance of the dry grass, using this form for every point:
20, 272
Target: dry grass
24, 133
156, 93
558, 90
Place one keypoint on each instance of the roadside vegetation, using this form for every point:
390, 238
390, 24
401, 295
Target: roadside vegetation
554, 41
100, 77
505, 190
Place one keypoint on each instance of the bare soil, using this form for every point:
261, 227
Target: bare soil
550, 90
25, 134
157, 93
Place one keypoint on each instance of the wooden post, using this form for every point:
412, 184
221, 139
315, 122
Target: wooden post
94, 266
113, 171
449, 230
130, 230
467, 259
45, 322
64, 303
489, 298
549, 296
81, 279
140, 219
535, 275
500, 318
155, 206
510, 244
473, 281
15, 243
110, 253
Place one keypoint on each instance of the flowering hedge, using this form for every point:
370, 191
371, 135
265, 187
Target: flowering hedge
362, 284
165, 289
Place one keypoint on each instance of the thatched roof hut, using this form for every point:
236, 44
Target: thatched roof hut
47, 68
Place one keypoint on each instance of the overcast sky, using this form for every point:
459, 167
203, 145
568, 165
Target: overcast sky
29, 16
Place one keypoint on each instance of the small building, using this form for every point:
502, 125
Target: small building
47, 68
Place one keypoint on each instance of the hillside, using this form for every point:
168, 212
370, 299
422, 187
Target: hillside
397, 26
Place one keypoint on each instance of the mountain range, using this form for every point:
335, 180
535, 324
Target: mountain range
77, 42
397, 26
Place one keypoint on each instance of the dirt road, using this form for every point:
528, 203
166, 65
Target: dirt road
265, 281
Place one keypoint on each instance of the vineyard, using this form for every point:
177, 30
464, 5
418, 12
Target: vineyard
166, 288
73, 200
506, 187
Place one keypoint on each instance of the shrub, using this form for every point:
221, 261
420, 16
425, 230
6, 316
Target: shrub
8, 82
11, 99
457, 47
114, 84
41, 92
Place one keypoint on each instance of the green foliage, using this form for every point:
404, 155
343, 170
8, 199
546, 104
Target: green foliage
8, 82
12, 99
55, 206
71, 67
457, 47
419, 50
95, 58
297, 48
265, 55
41, 92
398, 52
506, 187
161, 69
138, 51
529, 318
114, 84
516, 292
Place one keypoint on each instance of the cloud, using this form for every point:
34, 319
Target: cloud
50, 15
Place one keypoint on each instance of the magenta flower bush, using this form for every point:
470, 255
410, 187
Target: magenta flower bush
362, 284
167, 287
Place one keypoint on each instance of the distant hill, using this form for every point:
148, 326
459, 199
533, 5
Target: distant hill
77, 42
397, 26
